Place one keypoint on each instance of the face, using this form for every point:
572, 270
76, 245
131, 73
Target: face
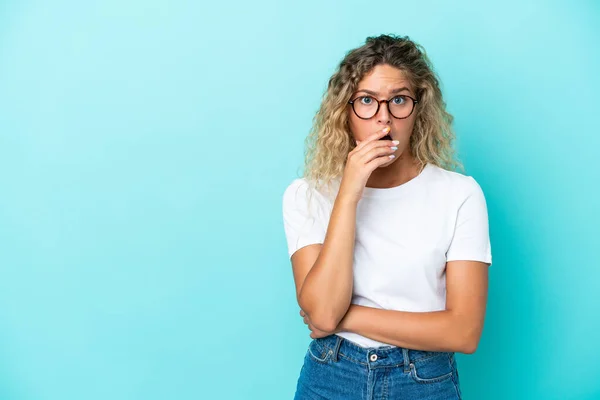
384, 83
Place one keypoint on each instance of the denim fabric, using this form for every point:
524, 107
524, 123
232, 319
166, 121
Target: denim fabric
336, 368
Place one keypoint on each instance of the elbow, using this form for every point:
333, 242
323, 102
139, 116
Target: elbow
469, 343
468, 339
324, 324
320, 319
468, 347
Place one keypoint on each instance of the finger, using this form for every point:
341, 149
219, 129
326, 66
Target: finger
380, 133
379, 161
377, 135
367, 147
374, 149
378, 151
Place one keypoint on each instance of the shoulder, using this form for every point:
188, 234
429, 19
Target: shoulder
301, 188
302, 194
295, 185
298, 186
298, 193
451, 177
454, 181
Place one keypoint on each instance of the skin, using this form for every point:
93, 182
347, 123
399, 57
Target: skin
383, 80
458, 328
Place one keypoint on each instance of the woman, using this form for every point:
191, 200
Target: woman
389, 244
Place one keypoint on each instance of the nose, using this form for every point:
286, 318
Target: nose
383, 115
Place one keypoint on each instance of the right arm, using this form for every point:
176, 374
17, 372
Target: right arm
323, 273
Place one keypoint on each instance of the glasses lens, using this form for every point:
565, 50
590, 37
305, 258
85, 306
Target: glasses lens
365, 106
401, 106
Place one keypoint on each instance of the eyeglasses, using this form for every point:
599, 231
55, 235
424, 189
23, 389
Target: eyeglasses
400, 106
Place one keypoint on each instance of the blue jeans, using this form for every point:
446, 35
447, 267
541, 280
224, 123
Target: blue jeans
336, 368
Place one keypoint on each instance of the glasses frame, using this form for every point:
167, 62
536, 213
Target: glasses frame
414, 101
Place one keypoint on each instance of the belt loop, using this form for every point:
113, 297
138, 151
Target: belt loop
336, 347
406, 359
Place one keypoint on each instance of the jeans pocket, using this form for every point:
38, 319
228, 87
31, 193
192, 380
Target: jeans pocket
432, 369
318, 352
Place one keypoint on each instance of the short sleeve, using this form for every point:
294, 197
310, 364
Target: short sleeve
471, 239
303, 222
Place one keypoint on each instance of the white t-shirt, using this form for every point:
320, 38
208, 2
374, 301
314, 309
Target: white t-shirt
404, 237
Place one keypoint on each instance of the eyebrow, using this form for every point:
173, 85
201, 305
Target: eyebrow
398, 90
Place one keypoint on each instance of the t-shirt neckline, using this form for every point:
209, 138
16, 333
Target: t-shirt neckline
396, 190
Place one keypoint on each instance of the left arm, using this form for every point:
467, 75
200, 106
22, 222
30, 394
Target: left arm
457, 328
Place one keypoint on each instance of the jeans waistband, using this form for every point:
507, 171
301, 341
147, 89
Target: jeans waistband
384, 356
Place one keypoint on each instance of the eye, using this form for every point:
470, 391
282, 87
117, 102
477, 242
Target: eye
401, 98
367, 100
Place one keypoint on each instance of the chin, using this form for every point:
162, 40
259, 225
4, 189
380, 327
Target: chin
387, 164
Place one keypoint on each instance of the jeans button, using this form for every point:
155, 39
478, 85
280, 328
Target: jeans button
373, 357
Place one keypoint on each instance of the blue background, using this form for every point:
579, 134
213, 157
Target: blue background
145, 147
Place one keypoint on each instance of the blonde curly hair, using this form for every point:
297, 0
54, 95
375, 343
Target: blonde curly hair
330, 139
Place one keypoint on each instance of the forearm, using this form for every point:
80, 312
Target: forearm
431, 331
326, 292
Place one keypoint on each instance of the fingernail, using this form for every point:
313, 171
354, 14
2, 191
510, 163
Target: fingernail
396, 141
387, 129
